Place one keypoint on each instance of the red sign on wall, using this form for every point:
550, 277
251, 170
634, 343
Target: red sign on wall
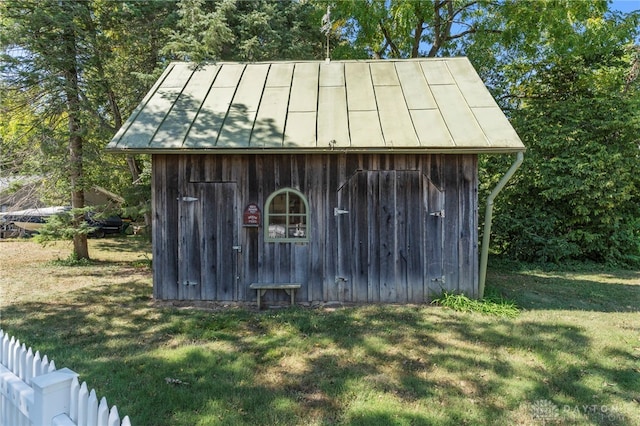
251, 216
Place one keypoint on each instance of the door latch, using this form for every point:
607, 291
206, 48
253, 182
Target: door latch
439, 213
337, 211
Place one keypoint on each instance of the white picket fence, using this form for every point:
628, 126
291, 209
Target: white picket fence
34, 393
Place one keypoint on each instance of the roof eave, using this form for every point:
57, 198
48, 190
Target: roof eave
363, 150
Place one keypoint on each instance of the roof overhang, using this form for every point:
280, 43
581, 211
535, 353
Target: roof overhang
268, 151
417, 106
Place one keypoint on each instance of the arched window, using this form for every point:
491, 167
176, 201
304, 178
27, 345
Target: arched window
287, 216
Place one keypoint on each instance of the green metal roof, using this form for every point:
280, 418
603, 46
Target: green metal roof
429, 105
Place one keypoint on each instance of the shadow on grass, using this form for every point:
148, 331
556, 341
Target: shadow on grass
549, 292
124, 243
362, 365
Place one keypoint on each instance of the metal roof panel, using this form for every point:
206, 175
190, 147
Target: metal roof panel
360, 96
304, 88
333, 126
384, 74
437, 72
207, 124
300, 129
280, 75
469, 82
364, 127
413, 105
268, 129
458, 117
332, 74
395, 119
174, 129
414, 85
431, 128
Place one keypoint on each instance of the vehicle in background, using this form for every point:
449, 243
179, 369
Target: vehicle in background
27, 222
108, 226
24, 223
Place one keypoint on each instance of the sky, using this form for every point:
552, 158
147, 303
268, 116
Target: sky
625, 5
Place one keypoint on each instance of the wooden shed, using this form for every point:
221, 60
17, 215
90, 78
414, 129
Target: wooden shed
356, 180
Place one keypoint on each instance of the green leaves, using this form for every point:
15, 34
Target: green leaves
246, 31
201, 35
577, 194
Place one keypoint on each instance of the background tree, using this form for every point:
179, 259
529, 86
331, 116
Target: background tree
565, 72
128, 37
416, 28
74, 68
45, 43
246, 31
577, 195
568, 91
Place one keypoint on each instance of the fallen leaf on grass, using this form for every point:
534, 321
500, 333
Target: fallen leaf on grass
171, 381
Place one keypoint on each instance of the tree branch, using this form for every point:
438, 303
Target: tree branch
390, 43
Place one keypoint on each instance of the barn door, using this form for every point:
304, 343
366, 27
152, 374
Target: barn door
389, 243
208, 233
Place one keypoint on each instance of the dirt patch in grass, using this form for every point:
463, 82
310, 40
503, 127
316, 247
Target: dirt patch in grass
32, 272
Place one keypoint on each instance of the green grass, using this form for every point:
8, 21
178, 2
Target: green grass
573, 349
491, 304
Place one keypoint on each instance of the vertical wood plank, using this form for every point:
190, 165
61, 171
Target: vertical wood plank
402, 193
209, 248
343, 242
165, 172
434, 236
313, 178
225, 195
415, 244
189, 245
451, 224
372, 244
468, 249
252, 193
387, 230
359, 255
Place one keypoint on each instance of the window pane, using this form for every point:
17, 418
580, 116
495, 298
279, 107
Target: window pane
277, 227
297, 227
295, 204
279, 204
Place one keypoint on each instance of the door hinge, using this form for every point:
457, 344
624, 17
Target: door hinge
439, 213
187, 199
439, 280
337, 211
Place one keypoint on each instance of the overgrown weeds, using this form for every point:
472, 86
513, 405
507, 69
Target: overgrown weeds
493, 304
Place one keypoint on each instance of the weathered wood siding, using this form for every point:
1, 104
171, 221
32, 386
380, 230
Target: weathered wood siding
392, 246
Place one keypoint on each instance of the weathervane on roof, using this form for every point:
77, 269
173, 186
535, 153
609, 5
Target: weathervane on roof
326, 28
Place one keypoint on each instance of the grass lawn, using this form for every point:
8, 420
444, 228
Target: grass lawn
572, 356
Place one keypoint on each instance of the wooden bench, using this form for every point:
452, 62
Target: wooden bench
289, 288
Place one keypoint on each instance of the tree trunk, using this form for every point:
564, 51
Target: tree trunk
80, 246
72, 92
